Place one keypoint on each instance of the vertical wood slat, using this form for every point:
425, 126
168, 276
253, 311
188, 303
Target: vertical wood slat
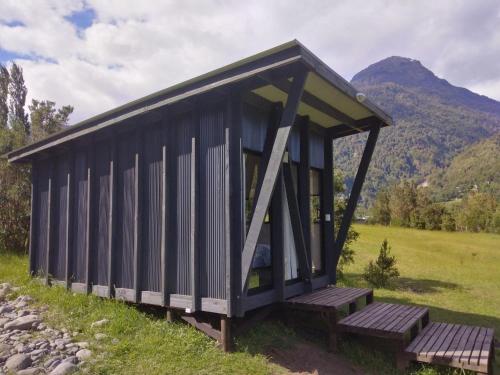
50, 214
193, 227
69, 221
227, 206
164, 258
272, 168
33, 220
89, 223
355, 192
236, 221
304, 187
327, 205
137, 212
112, 214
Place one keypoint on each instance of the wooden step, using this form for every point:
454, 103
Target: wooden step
454, 345
385, 320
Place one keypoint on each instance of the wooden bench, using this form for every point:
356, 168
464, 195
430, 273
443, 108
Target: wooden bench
398, 323
454, 345
327, 302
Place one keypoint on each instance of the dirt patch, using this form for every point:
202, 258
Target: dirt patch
306, 358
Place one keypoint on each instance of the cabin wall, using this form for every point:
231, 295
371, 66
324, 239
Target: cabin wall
125, 222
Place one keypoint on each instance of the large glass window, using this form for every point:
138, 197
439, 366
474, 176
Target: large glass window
316, 227
261, 275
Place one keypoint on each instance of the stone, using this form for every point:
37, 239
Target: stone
83, 354
5, 348
83, 344
23, 323
64, 368
71, 359
100, 336
6, 309
23, 313
18, 362
30, 371
99, 323
3, 321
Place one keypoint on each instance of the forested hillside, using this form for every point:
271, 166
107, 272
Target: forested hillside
435, 121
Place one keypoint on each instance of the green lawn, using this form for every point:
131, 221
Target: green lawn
456, 274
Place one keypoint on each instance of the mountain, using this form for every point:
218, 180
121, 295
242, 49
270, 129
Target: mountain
476, 167
434, 122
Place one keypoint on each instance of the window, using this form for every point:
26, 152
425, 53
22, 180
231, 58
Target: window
261, 274
316, 222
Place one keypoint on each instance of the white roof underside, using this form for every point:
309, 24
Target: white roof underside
323, 90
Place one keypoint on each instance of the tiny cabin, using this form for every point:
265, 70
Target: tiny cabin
214, 195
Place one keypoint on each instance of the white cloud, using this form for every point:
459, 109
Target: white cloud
136, 47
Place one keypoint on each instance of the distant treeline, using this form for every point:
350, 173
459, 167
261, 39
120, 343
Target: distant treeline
407, 205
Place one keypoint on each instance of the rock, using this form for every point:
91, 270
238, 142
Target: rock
30, 371
83, 344
71, 359
83, 354
3, 321
99, 323
100, 336
64, 368
23, 323
50, 362
3, 294
6, 286
18, 362
23, 313
6, 309
5, 349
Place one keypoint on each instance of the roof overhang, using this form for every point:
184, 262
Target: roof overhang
328, 99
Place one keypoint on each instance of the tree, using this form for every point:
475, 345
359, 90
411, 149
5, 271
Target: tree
381, 211
384, 269
347, 255
477, 212
17, 94
46, 119
403, 202
4, 93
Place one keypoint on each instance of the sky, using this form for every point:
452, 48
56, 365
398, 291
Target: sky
98, 54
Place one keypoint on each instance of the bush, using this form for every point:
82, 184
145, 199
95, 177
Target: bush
380, 273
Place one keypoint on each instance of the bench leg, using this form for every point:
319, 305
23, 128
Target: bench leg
369, 298
332, 332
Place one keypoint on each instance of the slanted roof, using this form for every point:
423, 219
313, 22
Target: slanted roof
329, 100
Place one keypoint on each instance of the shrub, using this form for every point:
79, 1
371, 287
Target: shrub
383, 270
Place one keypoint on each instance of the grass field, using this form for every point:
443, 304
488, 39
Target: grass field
456, 274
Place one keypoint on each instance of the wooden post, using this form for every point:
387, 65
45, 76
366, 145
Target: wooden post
225, 334
70, 219
33, 220
277, 245
137, 213
355, 192
327, 206
89, 221
112, 213
164, 279
304, 186
50, 214
193, 227
237, 219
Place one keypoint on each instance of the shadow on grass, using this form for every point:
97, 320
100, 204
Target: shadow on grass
407, 284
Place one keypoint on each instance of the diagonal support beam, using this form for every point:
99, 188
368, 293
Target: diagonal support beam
272, 168
297, 228
354, 196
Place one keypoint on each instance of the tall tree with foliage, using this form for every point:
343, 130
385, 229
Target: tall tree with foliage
4, 93
46, 119
17, 101
381, 210
15, 185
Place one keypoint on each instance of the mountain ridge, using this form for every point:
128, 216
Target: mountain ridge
434, 122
